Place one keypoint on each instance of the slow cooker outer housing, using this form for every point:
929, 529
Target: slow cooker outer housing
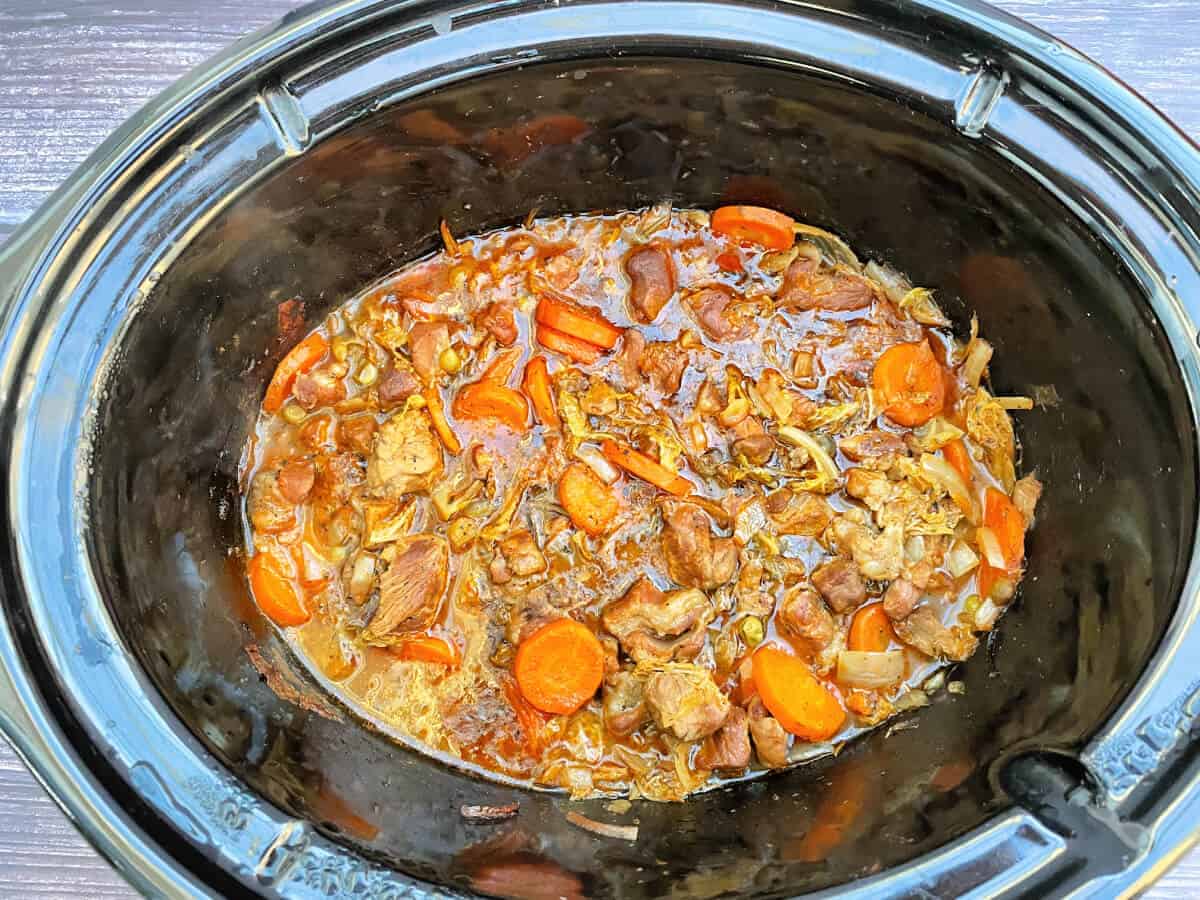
977, 154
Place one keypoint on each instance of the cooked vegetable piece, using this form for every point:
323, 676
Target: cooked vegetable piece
274, 591
589, 502
645, 468
571, 347
577, 321
792, 694
755, 224
956, 454
559, 667
492, 401
433, 402
300, 358
426, 648
870, 629
910, 383
537, 387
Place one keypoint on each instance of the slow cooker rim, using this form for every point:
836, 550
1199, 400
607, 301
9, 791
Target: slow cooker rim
25, 708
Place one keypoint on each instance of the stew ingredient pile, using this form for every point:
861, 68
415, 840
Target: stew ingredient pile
623, 504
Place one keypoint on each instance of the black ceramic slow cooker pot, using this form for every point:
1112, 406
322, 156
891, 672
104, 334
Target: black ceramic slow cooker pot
139, 326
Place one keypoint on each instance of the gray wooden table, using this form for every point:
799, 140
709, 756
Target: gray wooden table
71, 71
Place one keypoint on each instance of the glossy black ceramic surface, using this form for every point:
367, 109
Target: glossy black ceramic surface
976, 155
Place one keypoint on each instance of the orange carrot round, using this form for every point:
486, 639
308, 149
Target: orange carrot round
1001, 515
956, 454
793, 695
426, 648
870, 629
908, 379
491, 400
756, 224
274, 591
578, 322
536, 384
570, 347
300, 358
559, 667
645, 468
589, 502
729, 261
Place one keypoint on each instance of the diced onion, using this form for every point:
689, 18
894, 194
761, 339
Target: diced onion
750, 521
799, 438
911, 700
986, 615
990, 545
914, 548
979, 354
863, 669
595, 461
894, 285
936, 434
961, 559
946, 476
362, 577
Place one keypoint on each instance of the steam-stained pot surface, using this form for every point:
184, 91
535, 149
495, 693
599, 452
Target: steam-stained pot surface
134, 552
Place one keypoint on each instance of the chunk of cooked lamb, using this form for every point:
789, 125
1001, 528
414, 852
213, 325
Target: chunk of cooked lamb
657, 627
695, 556
901, 598
710, 307
651, 281
806, 285
522, 555
728, 748
803, 615
410, 590
407, 456
840, 584
923, 630
624, 703
770, 738
684, 699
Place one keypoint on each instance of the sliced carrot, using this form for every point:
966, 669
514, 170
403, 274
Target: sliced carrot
589, 502
426, 648
793, 695
870, 629
908, 379
956, 454
573, 348
274, 591
559, 667
300, 358
433, 403
756, 224
536, 384
645, 468
580, 322
494, 401
729, 261
501, 368
1002, 516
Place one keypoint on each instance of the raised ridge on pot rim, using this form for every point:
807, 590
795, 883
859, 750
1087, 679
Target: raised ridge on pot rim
42, 257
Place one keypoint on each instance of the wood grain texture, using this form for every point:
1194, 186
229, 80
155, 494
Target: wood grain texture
70, 72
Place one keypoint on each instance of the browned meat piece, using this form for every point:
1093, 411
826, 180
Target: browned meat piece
318, 388
684, 699
407, 455
296, 479
807, 286
651, 282
627, 359
840, 584
359, 433
338, 476
522, 555
799, 512
426, 341
657, 627
756, 448
728, 749
664, 362
748, 592
874, 448
1025, 495
879, 556
268, 509
710, 306
398, 384
498, 320
624, 703
901, 598
804, 615
770, 738
923, 630
871, 487
411, 589
695, 558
